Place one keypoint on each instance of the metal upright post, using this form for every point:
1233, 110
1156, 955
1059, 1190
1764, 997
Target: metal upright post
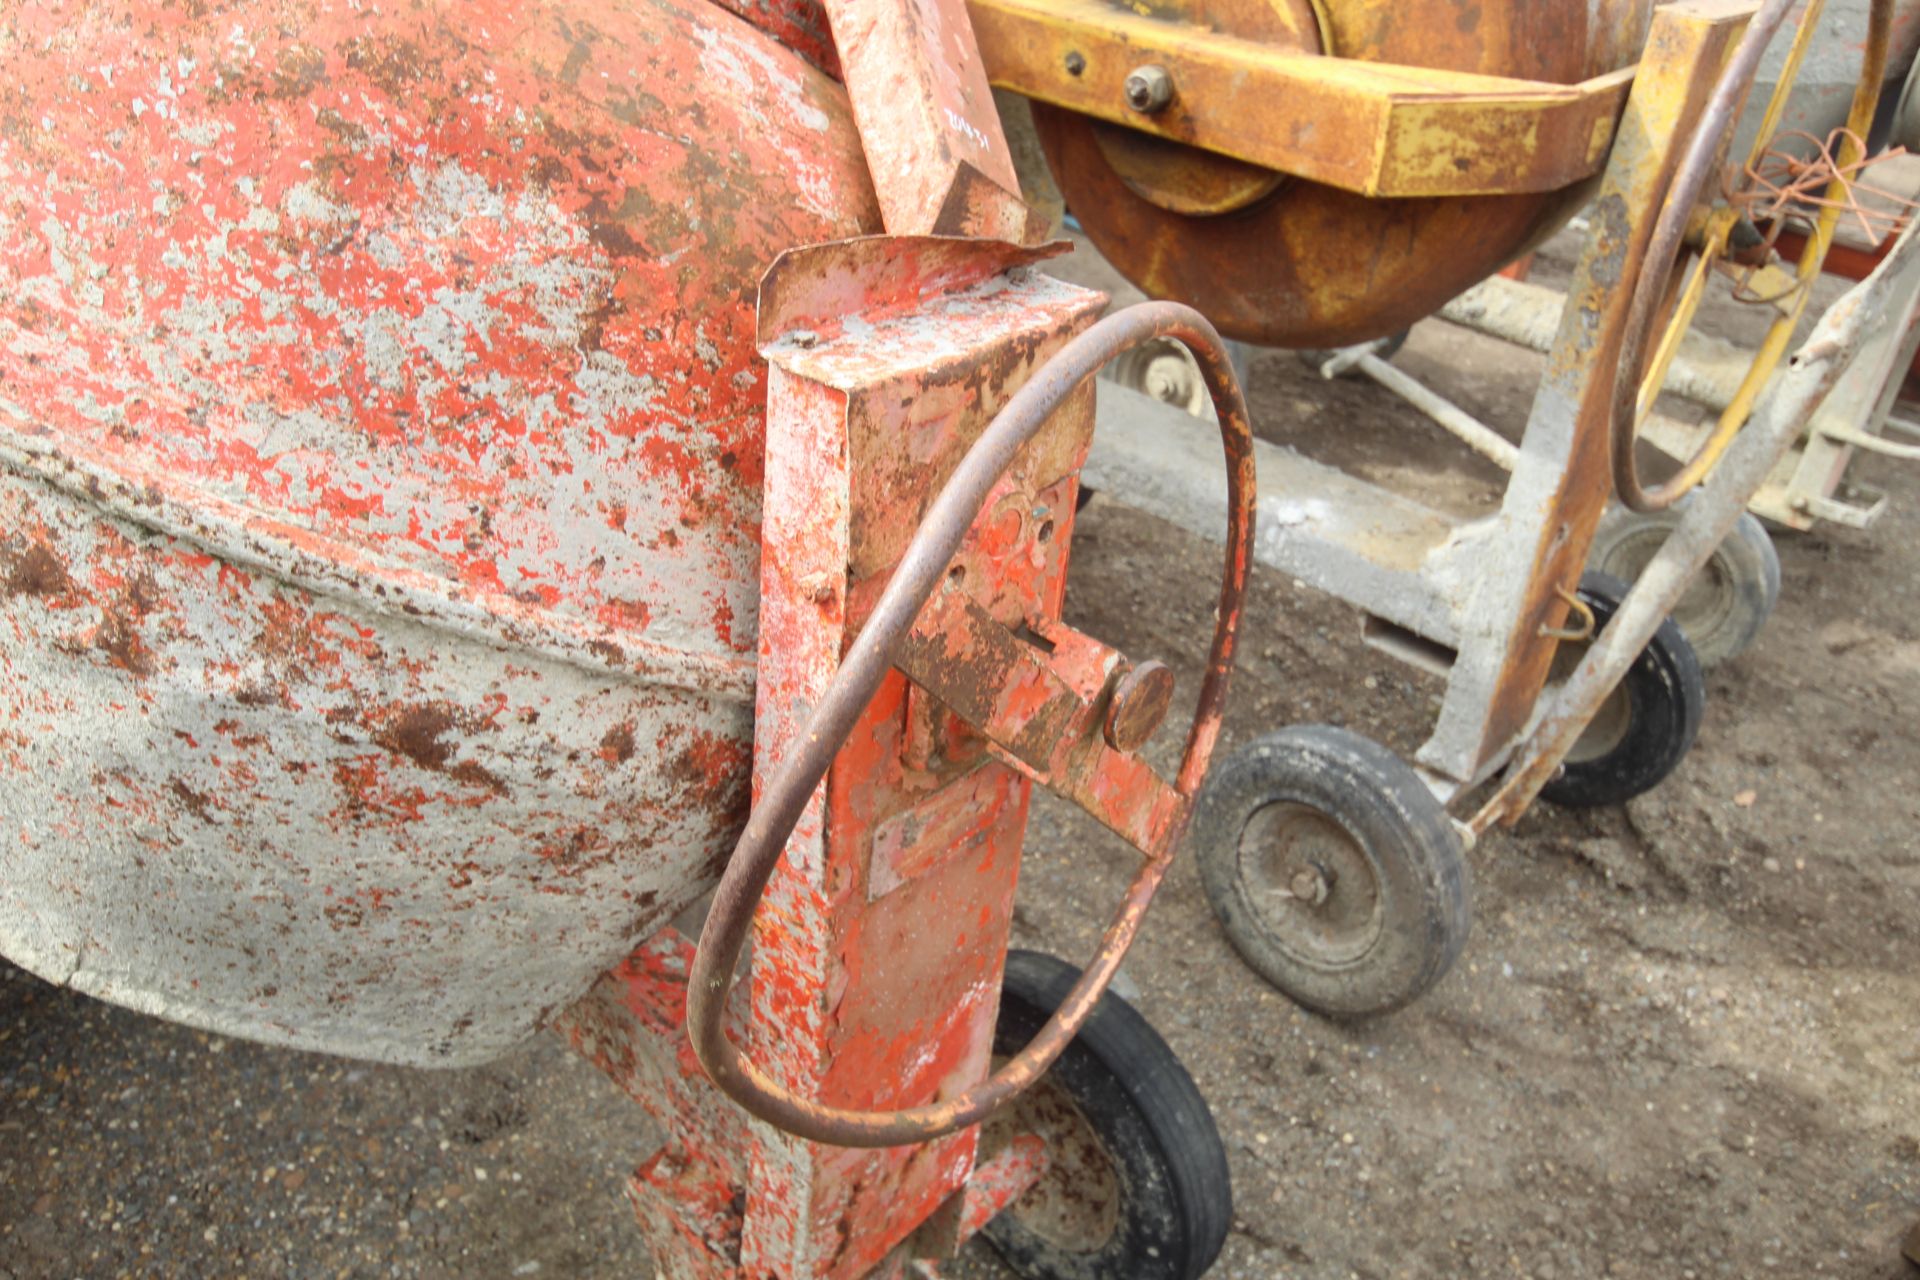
1530, 556
876, 961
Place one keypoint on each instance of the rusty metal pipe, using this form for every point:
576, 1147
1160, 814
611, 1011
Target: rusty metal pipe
1689, 185
868, 660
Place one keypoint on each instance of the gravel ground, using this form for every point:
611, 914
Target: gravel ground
1683, 1041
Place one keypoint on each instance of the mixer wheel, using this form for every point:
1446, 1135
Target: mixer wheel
1727, 604
1164, 369
1136, 1183
1645, 727
1335, 871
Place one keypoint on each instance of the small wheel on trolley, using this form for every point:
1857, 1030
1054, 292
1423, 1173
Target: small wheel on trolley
1334, 870
1645, 727
1727, 605
1164, 369
1136, 1186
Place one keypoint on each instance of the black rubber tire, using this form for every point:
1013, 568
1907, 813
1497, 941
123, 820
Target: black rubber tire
1420, 886
1176, 1197
1724, 611
1666, 695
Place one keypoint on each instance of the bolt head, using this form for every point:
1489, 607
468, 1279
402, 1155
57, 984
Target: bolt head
1309, 886
1149, 89
1140, 700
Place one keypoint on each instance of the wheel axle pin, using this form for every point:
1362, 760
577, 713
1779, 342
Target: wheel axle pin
1309, 885
1149, 89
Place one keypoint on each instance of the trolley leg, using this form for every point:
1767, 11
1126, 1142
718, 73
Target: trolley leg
1706, 519
690, 1195
1562, 477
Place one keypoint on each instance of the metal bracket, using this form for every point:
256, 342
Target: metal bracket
1046, 713
1379, 129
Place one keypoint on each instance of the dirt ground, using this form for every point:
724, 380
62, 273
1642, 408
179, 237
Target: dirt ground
1684, 1040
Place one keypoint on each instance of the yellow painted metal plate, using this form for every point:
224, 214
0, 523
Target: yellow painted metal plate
1308, 263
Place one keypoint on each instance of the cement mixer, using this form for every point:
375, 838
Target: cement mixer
1339, 869
476, 481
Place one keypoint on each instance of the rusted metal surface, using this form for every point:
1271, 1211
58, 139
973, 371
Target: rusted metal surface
800, 25
688, 1194
1523, 559
1652, 292
1478, 594
1286, 266
933, 141
1000, 1179
1846, 330
877, 958
945, 654
384, 449
1046, 712
1172, 175
1811, 484
382, 436
1479, 601
1483, 602
1379, 129
1141, 699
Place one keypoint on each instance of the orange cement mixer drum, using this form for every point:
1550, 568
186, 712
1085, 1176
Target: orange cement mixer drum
1287, 262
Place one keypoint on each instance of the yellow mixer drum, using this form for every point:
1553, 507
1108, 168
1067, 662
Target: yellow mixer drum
1282, 261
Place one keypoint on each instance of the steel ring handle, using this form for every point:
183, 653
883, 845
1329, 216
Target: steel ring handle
868, 660
1663, 249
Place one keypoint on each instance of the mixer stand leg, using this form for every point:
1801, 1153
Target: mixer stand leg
689, 1195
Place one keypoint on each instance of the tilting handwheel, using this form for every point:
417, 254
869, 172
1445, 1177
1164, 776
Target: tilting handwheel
1645, 728
1334, 870
1064, 728
1727, 604
1136, 1186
